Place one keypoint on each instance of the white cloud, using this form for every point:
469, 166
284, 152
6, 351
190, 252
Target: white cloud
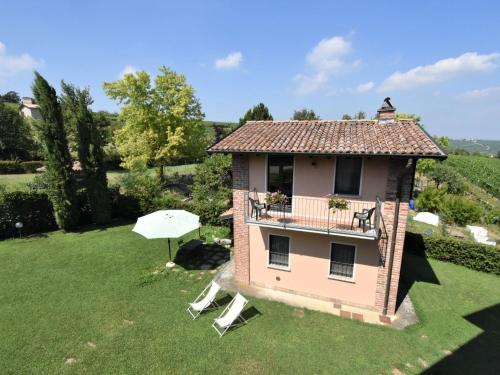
328, 57
231, 61
439, 71
328, 54
129, 69
364, 87
10, 65
308, 84
482, 93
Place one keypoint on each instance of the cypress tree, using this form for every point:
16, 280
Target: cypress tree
62, 191
89, 140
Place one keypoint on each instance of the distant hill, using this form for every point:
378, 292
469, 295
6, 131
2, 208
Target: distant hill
489, 147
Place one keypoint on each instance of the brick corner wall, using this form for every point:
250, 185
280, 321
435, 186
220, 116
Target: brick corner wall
396, 169
240, 229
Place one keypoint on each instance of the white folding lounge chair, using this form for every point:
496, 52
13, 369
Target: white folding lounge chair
204, 300
231, 313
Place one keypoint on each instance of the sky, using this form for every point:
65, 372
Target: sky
440, 60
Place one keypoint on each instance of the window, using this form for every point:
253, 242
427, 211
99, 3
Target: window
280, 174
279, 251
342, 261
348, 175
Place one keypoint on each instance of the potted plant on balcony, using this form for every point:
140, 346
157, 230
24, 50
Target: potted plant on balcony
336, 203
276, 198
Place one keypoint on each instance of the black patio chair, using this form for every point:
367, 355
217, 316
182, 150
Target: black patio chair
256, 207
363, 217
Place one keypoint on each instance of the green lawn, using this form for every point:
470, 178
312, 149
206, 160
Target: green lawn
15, 182
93, 296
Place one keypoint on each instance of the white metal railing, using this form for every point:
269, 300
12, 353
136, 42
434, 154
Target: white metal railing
360, 217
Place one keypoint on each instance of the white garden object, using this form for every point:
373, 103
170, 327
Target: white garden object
167, 224
427, 218
231, 313
480, 235
204, 300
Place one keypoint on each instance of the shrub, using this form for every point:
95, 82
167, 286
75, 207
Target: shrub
446, 175
460, 210
430, 199
31, 166
493, 216
469, 254
212, 188
10, 166
124, 206
145, 187
17, 167
33, 209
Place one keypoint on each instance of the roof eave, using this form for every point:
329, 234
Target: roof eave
418, 156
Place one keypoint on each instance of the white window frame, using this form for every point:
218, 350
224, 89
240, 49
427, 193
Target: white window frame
268, 249
360, 178
343, 278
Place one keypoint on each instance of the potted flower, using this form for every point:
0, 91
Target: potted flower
336, 203
276, 198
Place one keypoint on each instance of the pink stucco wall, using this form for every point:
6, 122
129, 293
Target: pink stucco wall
309, 266
314, 176
310, 252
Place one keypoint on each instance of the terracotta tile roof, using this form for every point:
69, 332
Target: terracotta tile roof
368, 137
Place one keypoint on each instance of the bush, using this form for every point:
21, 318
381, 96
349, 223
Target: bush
31, 166
144, 187
16, 167
460, 210
493, 216
469, 254
33, 209
430, 199
212, 188
10, 166
446, 175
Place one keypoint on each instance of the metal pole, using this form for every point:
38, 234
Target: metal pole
169, 251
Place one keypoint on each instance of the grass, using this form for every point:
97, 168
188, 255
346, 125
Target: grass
95, 296
14, 182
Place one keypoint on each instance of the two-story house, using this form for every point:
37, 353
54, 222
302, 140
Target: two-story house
296, 242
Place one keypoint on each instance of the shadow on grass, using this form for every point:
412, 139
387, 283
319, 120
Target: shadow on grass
479, 355
250, 314
203, 257
415, 267
114, 223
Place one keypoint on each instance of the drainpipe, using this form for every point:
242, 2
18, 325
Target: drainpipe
408, 168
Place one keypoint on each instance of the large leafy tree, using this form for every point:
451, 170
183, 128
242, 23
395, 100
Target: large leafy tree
162, 119
258, 113
89, 139
61, 191
305, 114
212, 187
16, 141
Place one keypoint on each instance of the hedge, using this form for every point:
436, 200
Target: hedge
34, 210
17, 167
469, 254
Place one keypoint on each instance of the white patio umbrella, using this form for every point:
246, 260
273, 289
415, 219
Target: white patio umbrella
167, 224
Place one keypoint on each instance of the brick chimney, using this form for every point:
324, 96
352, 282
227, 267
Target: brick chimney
387, 112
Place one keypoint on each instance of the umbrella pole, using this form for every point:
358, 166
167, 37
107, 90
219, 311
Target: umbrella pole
199, 232
170, 264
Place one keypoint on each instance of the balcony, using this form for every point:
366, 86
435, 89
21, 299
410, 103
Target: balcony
361, 219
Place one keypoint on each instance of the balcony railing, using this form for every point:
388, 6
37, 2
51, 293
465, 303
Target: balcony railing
359, 219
